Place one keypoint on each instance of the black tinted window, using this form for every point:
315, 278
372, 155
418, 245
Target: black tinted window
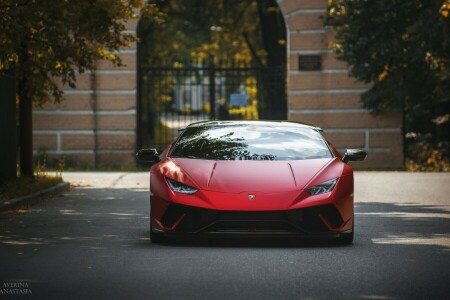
250, 142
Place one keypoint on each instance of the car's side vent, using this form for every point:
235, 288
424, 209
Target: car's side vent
311, 221
332, 215
173, 214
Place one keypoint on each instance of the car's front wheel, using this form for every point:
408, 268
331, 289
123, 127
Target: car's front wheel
347, 238
156, 237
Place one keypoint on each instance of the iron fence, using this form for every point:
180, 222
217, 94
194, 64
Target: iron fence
173, 95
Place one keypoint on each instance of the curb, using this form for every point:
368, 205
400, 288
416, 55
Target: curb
32, 198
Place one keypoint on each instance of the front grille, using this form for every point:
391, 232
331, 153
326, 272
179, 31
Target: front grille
206, 220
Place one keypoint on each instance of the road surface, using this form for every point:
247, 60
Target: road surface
93, 243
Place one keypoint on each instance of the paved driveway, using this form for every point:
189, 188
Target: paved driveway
92, 243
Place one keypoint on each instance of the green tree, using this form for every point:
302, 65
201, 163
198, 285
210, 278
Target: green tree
273, 35
252, 31
48, 42
403, 49
196, 29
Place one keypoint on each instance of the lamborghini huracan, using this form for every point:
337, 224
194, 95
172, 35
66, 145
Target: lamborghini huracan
251, 178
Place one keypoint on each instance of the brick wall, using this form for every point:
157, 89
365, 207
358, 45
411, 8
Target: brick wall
329, 98
96, 123
99, 129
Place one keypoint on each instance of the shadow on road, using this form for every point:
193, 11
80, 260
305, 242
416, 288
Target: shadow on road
245, 242
409, 224
84, 217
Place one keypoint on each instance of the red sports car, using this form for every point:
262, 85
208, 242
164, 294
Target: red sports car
252, 178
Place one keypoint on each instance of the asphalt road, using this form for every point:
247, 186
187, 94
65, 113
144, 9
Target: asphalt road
92, 243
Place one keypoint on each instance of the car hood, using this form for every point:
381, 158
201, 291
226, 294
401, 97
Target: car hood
256, 176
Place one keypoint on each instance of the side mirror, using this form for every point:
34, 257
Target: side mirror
147, 157
354, 155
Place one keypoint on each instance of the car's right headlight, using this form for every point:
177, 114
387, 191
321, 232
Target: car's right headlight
323, 187
180, 187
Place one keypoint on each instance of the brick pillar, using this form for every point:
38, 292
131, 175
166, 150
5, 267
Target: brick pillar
328, 97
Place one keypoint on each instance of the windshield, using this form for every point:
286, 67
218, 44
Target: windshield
250, 142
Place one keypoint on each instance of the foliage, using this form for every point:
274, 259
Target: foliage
403, 49
43, 163
196, 29
48, 39
427, 156
162, 134
48, 42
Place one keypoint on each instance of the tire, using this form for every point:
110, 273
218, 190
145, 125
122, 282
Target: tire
156, 237
347, 238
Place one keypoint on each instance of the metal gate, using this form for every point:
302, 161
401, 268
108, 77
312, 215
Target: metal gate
172, 96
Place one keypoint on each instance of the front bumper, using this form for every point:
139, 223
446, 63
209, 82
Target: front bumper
318, 221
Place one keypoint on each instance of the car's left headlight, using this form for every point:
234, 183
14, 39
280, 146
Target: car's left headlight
323, 187
180, 187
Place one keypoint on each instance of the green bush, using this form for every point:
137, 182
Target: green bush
424, 155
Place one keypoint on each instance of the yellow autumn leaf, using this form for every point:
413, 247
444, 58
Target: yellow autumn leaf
445, 9
382, 76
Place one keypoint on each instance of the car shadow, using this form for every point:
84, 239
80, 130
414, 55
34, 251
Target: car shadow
253, 242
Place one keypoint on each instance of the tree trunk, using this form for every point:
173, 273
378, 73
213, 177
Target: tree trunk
25, 130
8, 128
273, 31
